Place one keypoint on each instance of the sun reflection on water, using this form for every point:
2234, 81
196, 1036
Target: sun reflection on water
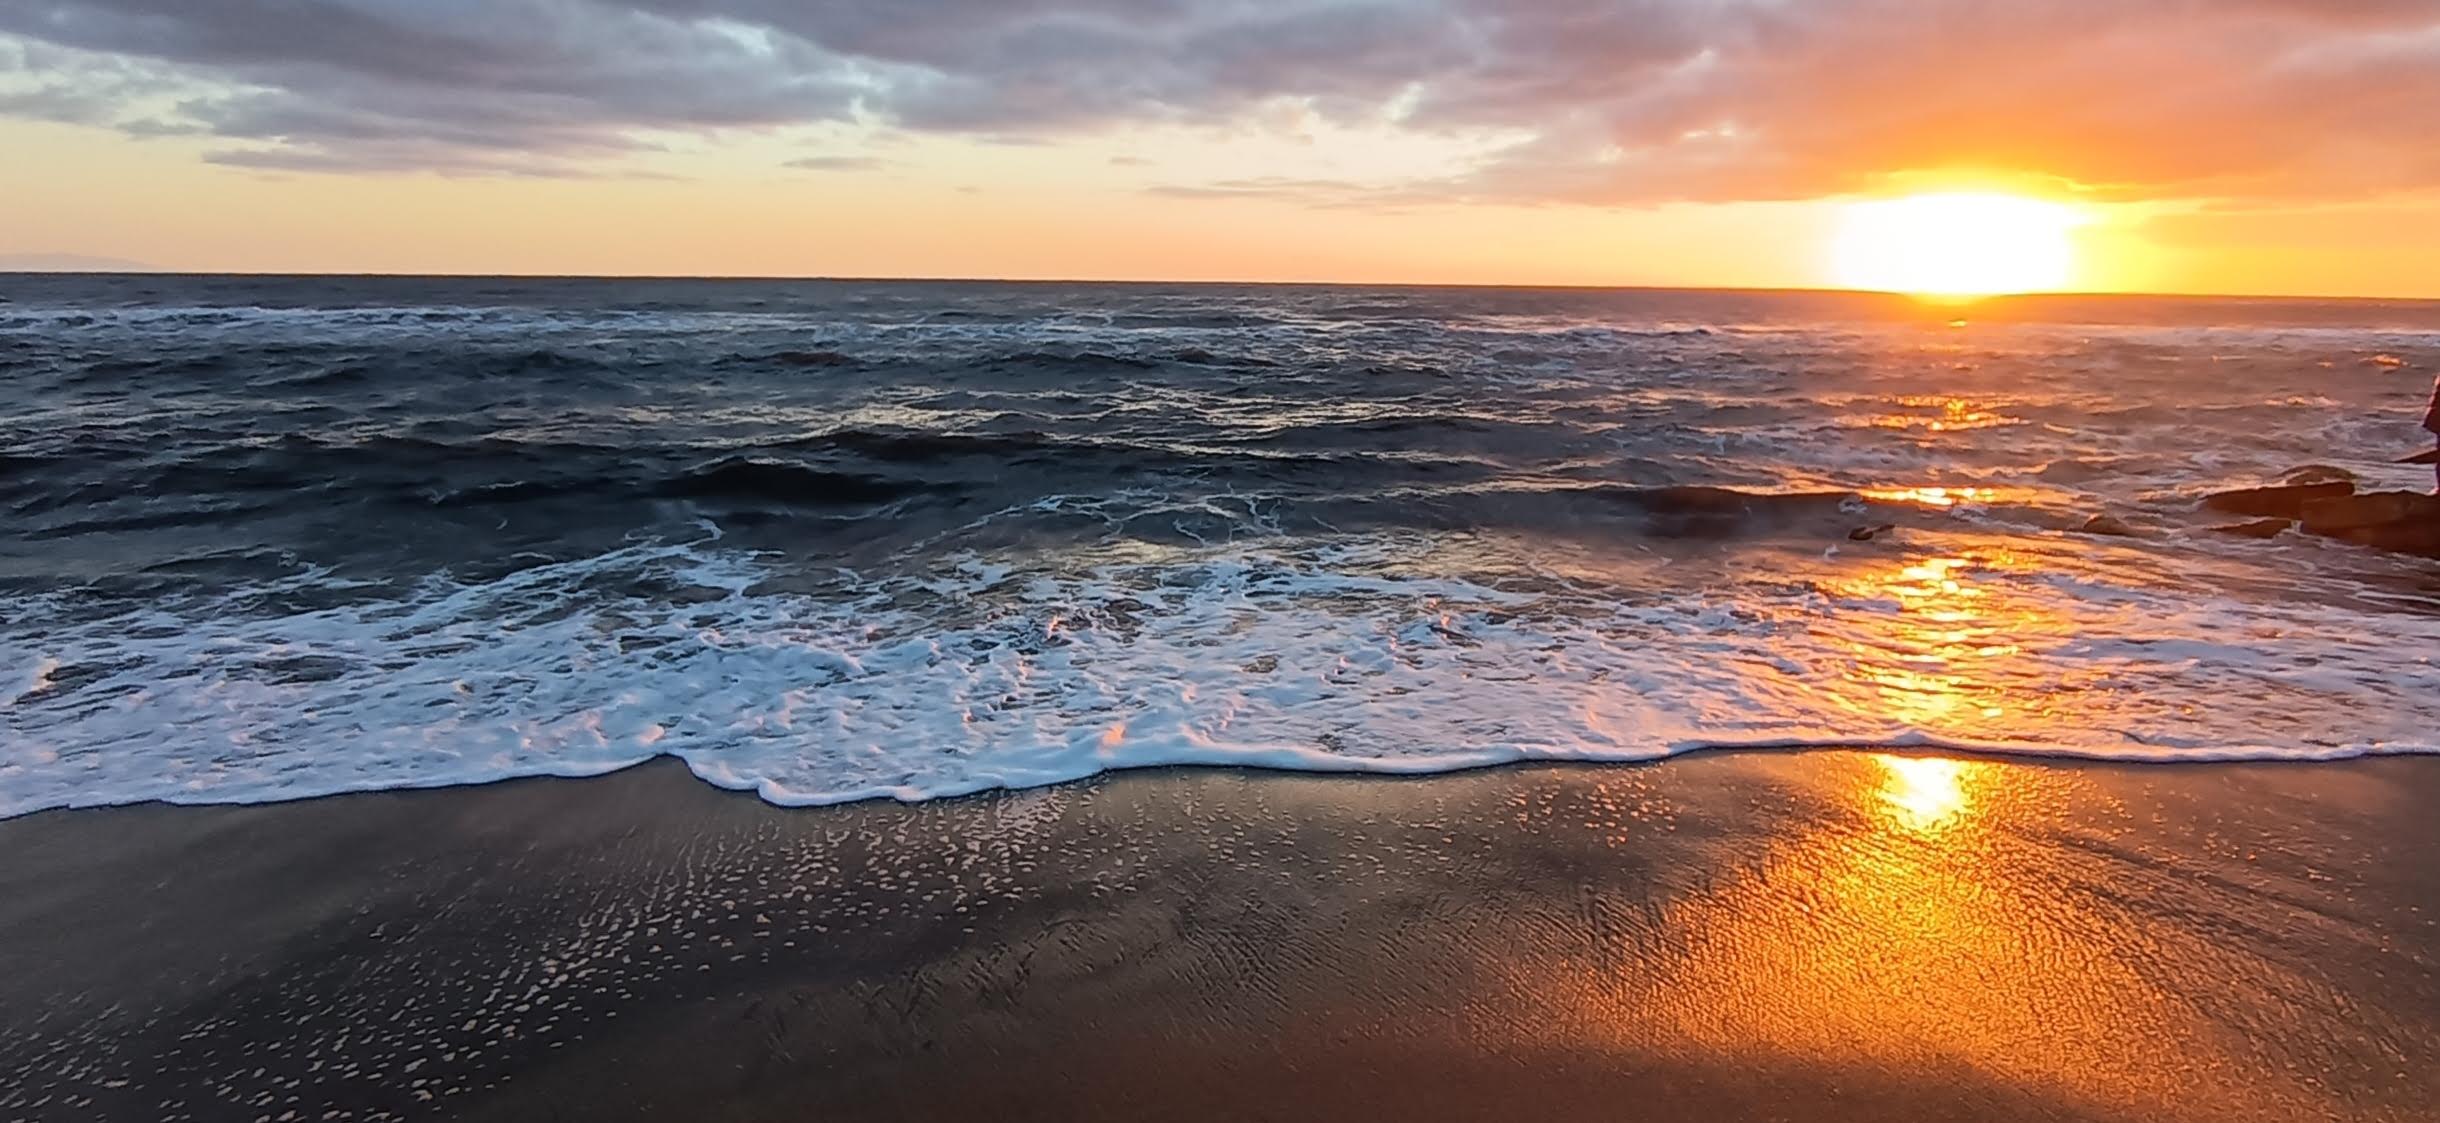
1941, 415
1959, 645
1933, 496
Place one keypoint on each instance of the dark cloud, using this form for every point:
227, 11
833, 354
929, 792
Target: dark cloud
455, 85
1620, 100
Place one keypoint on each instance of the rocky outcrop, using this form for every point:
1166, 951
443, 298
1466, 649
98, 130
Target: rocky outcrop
2420, 538
2259, 528
2355, 512
2322, 501
2400, 521
2285, 501
2312, 474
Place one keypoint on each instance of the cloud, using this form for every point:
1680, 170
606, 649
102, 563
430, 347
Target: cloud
1314, 191
1624, 101
451, 85
838, 163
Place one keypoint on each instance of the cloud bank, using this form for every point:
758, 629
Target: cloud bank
1624, 101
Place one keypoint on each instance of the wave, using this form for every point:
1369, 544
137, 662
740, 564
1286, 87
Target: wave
809, 359
841, 465
1078, 360
119, 371
1695, 510
19, 464
972, 674
915, 446
768, 481
346, 376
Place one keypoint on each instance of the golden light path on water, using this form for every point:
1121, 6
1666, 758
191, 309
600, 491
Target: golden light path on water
1946, 657
1910, 928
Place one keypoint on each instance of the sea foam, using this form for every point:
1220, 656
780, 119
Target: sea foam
1349, 656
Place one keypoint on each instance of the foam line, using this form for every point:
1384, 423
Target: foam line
978, 673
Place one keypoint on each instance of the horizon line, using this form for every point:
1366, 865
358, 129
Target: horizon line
1753, 290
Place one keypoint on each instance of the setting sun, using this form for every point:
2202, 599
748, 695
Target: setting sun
1957, 245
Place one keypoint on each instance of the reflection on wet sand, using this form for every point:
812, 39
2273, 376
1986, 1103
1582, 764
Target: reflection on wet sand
1926, 795
1912, 930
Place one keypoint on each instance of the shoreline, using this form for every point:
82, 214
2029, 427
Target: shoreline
1817, 935
1328, 766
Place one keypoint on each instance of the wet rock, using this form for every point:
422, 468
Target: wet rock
2410, 537
1868, 533
2283, 502
2398, 521
2107, 526
2312, 474
2259, 528
2355, 512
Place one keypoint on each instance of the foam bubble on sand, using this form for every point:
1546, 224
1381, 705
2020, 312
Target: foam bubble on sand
982, 674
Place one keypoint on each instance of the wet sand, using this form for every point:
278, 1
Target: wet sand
1815, 936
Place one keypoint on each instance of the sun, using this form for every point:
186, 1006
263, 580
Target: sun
1957, 245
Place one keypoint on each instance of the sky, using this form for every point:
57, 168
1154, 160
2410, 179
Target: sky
2210, 146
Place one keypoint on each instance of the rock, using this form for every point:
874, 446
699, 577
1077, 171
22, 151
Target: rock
2283, 502
1868, 533
2107, 526
2355, 512
2312, 474
2398, 521
2259, 528
2412, 537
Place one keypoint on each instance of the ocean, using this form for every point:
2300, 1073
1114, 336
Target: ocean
271, 538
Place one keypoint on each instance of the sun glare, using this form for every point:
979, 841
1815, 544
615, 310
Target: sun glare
1960, 245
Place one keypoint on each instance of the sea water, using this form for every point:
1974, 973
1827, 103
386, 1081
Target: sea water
274, 538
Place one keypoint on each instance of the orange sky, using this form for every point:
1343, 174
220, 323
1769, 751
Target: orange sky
2249, 146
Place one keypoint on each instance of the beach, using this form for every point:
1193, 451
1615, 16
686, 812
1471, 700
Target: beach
1095, 561
527, 699
1767, 935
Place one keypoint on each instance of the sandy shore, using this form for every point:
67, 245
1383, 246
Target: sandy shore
1820, 936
